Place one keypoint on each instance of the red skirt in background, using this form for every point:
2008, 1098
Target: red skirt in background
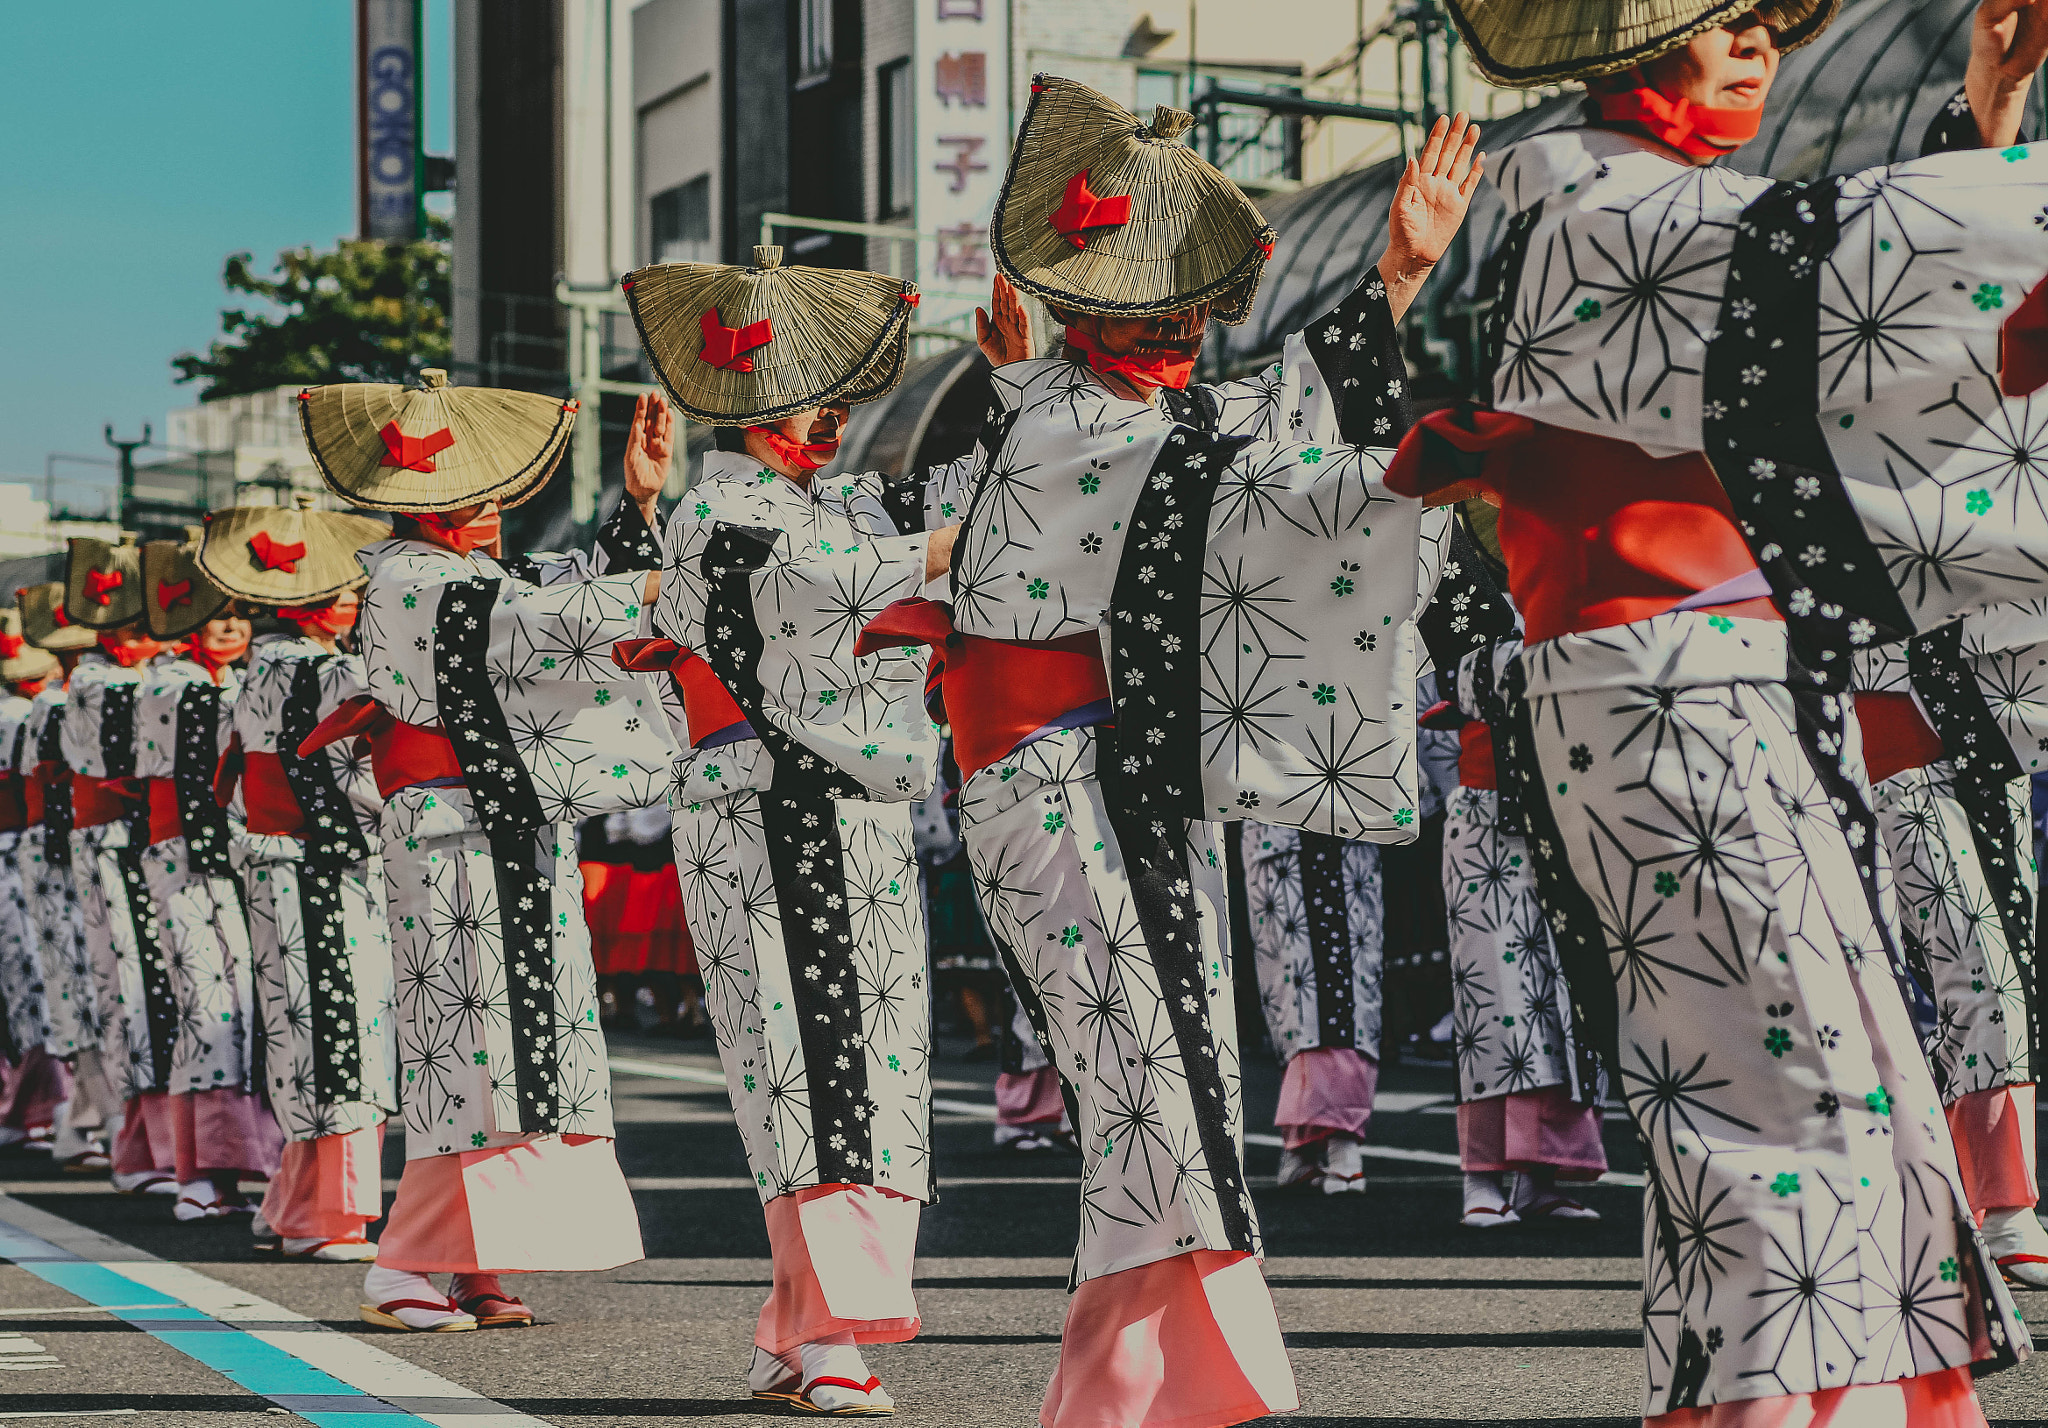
636, 920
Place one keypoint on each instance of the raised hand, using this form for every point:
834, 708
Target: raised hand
1006, 337
2008, 42
650, 446
1429, 204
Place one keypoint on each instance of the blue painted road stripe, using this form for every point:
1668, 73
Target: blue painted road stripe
262, 1368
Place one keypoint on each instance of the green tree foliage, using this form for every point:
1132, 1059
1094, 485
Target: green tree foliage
366, 311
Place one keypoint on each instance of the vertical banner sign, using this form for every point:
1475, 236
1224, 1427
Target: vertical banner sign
962, 99
388, 158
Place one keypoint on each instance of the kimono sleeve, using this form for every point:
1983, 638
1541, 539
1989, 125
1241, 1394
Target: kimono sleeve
1340, 379
2007, 650
626, 542
1292, 601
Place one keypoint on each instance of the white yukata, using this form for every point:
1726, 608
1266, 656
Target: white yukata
1255, 589
1808, 1229
800, 881
503, 1081
321, 944
21, 976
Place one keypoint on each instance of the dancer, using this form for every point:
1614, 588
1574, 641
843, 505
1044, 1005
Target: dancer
1119, 516
109, 841
79, 1139
494, 722
1682, 758
308, 856
1959, 832
222, 1131
1528, 1099
792, 803
38, 1083
1318, 937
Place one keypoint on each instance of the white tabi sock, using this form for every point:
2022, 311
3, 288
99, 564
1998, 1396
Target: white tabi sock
840, 1360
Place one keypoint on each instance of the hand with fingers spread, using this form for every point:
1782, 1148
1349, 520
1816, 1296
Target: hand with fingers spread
2008, 42
1429, 204
1006, 337
650, 446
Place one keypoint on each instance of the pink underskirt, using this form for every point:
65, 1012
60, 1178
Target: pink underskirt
222, 1130
1942, 1399
1994, 1136
843, 1256
1532, 1130
1325, 1091
327, 1188
1029, 1098
1186, 1342
34, 1091
145, 1140
551, 1203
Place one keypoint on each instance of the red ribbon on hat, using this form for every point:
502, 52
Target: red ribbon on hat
412, 453
724, 346
100, 585
276, 555
10, 646
1082, 208
173, 592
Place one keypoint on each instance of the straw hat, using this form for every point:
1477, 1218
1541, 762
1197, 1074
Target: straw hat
176, 597
19, 659
44, 622
433, 447
1102, 214
103, 583
738, 346
1524, 43
286, 555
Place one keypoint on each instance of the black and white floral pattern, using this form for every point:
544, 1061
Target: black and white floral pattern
56, 915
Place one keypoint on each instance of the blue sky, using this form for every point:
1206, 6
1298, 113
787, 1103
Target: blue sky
146, 142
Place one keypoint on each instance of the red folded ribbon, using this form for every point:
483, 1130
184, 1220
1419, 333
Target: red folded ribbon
725, 347
100, 585
412, 453
274, 554
10, 646
708, 706
173, 592
1081, 209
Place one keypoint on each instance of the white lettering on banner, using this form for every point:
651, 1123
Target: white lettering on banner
962, 99
390, 107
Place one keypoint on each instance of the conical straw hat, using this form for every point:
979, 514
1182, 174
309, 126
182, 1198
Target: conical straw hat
1100, 213
19, 659
738, 346
1524, 43
177, 598
433, 447
44, 622
103, 583
286, 555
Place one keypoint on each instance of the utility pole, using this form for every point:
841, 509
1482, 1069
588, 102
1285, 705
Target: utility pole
126, 498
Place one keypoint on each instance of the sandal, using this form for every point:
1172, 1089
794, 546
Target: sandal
870, 1403
426, 1316
497, 1311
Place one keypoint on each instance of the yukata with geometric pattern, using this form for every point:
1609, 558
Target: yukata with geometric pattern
56, 916
1832, 349
317, 927
793, 830
1255, 589
22, 1002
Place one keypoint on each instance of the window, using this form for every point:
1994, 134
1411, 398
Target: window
682, 222
897, 130
813, 41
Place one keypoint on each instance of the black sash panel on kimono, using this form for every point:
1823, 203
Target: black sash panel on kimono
160, 1006
56, 795
204, 821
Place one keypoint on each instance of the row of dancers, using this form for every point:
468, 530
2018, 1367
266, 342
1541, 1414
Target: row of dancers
1745, 731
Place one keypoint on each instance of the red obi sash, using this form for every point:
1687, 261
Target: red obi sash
165, 820
100, 800
268, 802
1475, 755
1896, 735
34, 791
401, 754
999, 693
1596, 531
13, 812
708, 706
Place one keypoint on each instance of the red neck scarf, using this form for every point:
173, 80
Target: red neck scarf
216, 661
131, 653
794, 453
437, 529
1685, 126
330, 620
1145, 370
28, 688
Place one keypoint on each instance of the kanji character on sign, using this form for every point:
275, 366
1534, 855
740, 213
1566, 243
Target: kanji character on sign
963, 77
963, 252
963, 162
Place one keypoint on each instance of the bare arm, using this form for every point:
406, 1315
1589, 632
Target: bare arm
1430, 203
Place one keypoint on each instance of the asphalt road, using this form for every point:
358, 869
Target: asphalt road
1394, 1315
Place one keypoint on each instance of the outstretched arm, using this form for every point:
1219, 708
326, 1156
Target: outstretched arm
2008, 42
1429, 204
